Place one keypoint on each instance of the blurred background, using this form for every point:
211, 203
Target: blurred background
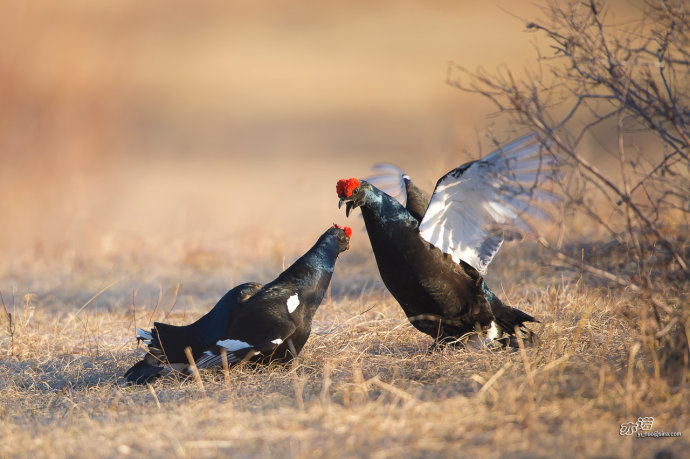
149, 124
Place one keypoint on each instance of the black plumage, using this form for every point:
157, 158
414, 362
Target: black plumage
166, 343
431, 253
275, 323
417, 201
251, 322
393, 181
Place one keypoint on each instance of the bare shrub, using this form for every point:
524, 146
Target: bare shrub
613, 100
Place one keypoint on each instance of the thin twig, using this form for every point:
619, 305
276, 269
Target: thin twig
392, 389
193, 368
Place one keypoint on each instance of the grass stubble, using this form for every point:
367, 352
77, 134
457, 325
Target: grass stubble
364, 384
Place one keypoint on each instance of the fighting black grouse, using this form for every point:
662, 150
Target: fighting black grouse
275, 323
431, 254
251, 322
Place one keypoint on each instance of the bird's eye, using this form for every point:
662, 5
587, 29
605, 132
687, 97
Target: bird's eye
355, 191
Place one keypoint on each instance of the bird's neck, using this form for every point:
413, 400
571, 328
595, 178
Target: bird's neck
323, 255
379, 210
320, 258
311, 274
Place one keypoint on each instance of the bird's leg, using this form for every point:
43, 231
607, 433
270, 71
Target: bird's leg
437, 345
438, 330
438, 342
291, 346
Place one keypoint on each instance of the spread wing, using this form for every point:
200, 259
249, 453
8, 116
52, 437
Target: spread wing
390, 179
473, 204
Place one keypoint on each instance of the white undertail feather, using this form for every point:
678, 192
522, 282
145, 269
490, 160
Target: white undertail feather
471, 207
292, 303
144, 335
493, 332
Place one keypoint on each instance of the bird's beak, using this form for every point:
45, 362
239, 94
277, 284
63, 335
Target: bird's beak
349, 205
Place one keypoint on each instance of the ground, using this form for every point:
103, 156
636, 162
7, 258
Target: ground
364, 385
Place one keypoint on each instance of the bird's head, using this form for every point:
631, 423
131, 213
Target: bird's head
351, 192
343, 233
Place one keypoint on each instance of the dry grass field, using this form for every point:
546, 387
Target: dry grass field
153, 156
364, 385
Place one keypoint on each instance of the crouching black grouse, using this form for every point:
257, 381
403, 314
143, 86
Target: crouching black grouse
264, 323
275, 323
431, 254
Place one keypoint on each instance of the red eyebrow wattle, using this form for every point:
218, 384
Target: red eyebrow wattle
345, 187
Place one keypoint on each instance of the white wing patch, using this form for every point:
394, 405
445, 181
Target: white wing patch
232, 345
474, 204
292, 303
210, 359
390, 179
277, 341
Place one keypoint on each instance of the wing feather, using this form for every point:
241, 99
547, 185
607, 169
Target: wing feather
473, 204
390, 179
264, 342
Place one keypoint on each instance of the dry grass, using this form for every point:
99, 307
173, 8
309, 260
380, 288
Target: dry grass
364, 385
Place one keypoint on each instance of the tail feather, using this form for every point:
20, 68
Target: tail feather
143, 335
142, 373
510, 320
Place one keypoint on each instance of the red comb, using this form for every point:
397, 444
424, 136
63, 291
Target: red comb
345, 187
347, 229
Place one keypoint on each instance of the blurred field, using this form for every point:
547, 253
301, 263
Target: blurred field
171, 121
155, 155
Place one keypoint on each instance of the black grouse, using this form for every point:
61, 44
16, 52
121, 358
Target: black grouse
264, 323
431, 254
275, 323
